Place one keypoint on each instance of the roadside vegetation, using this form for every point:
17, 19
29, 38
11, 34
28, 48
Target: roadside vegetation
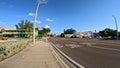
68, 31
25, 25
28, 27
44, 32
8, 49
108, 33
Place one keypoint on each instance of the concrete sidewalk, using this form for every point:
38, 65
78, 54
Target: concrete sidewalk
38, 56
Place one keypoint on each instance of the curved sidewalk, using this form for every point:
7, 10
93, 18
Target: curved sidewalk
34, 56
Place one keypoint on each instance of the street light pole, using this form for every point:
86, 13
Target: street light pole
35, 17
35, 22
117, 36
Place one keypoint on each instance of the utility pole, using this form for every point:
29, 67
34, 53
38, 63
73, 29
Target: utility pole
117, 35
40, 2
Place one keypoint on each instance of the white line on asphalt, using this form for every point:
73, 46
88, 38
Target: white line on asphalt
79, 65
105, 48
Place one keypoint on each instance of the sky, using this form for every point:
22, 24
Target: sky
81, 15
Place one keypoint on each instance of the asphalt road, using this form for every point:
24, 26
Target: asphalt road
91, 53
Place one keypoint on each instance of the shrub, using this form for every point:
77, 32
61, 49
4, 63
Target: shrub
10, 48
4, 38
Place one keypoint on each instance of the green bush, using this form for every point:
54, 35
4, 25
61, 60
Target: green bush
10, 48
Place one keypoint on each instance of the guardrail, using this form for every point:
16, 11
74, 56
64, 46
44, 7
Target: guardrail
76, 65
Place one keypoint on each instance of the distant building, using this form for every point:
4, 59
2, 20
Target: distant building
88, 34
83, 34
7, 28
40, 28
69, 35
21, 33
78, 35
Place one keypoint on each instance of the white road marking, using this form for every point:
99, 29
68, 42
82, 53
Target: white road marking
73, 45
59, 46
105, 48
90, 45
74, 62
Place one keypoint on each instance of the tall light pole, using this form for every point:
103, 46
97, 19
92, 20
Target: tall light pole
40, 2
117, 36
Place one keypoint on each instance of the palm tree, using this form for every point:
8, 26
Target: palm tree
25, 25
21, 25
28, 28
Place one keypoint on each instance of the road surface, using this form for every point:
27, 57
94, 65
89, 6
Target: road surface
91, 53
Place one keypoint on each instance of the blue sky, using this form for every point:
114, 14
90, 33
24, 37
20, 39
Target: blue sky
82, 15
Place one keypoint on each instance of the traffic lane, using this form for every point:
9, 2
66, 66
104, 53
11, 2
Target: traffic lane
98, 49
93, 57
102, 43
104, 46
115, 46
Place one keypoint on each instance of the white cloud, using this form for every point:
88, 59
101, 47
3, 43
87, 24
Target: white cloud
38, 22
31, 14
49, 20
46, 26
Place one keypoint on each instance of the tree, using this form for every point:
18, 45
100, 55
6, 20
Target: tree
44, 32
107, 33
21, 25
62, 35
69, 31
25, 25
29, 27
119, 34
2, 30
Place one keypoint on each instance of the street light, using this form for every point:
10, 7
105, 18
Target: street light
117, 36
40, 2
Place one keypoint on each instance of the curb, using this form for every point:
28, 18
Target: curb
74, 63
63, 64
